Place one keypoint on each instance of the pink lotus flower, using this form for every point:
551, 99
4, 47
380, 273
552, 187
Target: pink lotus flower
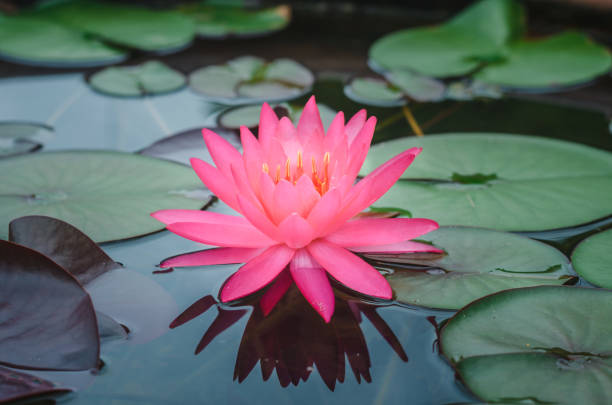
295, 191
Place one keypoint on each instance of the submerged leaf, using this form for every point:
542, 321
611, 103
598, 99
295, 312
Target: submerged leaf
15, 385
47, 320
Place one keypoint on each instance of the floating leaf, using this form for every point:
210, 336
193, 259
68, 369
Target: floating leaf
249, 79
592, 259
187, 144
376, 92
149, 78
47, 320
35, 40
562, 60
17, 137
417, 87
248, 115
127, 25
477, 262
539, 185
15, 385
64, 244
124, 295
107, 195
456, 47
549, 344
219, 21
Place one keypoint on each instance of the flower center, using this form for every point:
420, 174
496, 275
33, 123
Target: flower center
320, 178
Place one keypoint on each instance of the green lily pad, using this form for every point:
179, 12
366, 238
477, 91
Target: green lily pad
18, 137
592, 259
250, 79
456, 47
477, 262
219, 21
548, 344
248, 115
417, 87
539, 183
562, 60
149, 78
107, 195
37, 41
127, 25
376, 92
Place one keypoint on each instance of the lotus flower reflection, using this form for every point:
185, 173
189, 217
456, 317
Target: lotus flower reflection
295, 191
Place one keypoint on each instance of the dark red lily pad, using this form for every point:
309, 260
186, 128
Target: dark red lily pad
47, 320
16, 386
64, 244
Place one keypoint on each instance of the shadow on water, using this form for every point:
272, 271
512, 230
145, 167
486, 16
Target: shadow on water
294, 341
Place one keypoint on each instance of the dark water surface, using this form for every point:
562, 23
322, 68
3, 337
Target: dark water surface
391, 347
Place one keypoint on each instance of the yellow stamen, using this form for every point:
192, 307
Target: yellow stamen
277, 177
300, 164
265, 168
288, 170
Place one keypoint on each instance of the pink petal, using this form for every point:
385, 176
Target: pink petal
258, 219
380, 231
308, 195
221, 151
324, 212
375, 184
360, 147
267, 125
212, 256
287, 135
221, 186
349, 269
310, 121
243, 187
286, 200
335, 133
229, 235
276, 291
397, 248
312, 281
354, 125
252, 155
172, 216
257, 273
295, 231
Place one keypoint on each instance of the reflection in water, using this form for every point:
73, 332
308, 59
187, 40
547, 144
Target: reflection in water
293, 339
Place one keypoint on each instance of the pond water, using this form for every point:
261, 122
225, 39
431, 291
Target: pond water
392, 346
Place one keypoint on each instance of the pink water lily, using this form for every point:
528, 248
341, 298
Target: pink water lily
295, 190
